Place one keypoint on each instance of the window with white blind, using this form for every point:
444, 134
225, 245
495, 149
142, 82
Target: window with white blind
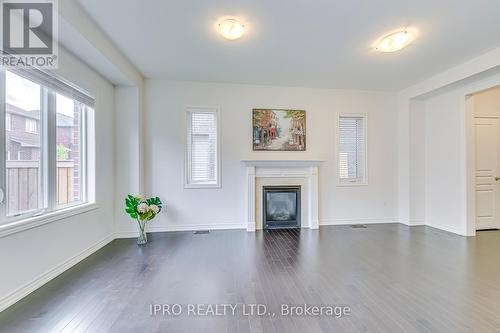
202, 151
352, 149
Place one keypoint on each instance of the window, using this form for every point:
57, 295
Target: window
69, 148
202, 151
45, 164
30, 126
24, 177
8, 122
352, 149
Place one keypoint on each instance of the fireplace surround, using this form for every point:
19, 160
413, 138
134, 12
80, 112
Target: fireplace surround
262, 173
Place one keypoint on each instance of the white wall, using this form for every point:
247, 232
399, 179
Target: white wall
165, 103
472, 76
444, 131
417, 165
36, 254
129, 158
445, 162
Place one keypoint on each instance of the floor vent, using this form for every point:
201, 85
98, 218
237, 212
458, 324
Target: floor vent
358, 226
202, 232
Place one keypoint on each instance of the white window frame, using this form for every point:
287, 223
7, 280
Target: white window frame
352, 182
188, 184
27, 128
50, 210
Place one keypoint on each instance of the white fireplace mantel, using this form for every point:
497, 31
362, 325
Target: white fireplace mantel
283, 172
285, 163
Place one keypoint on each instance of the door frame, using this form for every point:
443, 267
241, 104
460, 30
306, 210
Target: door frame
470, 158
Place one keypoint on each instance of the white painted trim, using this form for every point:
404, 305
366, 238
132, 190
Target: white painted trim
468, 109
470, 160
364, 220
276, 169
350, 184
281, 162
447, 229
251, 198
3, 206
243, 226
415, 222
184, 227
33, 222
471, 173
187, 143
200, 186
42, 279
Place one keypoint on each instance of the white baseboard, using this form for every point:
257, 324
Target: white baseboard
186, 227
447, 229
225, 226
412, 222
416, 222
358, 221
42, 279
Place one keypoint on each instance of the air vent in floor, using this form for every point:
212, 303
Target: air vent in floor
202, 232
358, 226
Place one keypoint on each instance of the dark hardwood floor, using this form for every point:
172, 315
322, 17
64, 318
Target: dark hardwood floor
393, 278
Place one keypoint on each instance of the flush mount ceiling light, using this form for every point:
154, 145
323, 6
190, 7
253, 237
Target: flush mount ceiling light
231, 28
395, 41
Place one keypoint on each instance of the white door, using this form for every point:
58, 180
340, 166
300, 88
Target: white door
487, 173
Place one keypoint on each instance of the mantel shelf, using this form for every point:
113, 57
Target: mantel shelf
281, 163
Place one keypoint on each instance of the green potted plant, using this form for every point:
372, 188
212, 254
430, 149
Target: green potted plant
142, 210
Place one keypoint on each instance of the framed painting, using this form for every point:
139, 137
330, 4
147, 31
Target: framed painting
279, 129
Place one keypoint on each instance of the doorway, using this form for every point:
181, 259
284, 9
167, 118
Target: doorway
487, 172
486, 123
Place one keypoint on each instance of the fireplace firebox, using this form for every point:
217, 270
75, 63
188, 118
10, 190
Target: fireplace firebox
281, 207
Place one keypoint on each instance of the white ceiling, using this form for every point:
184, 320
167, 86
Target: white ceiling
320, 43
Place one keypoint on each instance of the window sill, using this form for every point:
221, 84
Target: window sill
202, 186
353, 184
33, 222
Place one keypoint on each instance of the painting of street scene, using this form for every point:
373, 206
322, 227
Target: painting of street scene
279, 130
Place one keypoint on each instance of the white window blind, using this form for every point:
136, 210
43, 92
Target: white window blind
202, 167
352, 149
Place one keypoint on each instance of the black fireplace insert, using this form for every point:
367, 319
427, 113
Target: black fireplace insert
281, 207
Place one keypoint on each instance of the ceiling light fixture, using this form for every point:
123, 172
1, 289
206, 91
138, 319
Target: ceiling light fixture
231, 28
395, 41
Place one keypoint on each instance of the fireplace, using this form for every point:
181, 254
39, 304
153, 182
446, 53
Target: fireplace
282, 173
281, 207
